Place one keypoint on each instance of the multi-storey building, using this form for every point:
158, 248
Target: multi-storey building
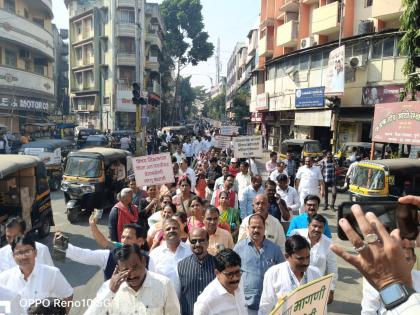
240, 66
111, 45
61, 67
27, 88
295, 39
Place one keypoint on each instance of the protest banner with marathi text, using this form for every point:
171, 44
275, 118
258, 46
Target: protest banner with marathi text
228, 130
222, 142
308, 299
153, 169
246, 147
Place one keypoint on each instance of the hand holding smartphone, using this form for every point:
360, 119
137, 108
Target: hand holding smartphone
391, 213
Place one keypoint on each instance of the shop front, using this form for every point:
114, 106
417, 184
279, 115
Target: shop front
314, 124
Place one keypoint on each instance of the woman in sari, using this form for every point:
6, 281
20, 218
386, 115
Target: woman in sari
229, 218
197, 213
183, 199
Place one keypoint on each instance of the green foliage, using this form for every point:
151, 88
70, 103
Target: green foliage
240, 106
185, 38
215, 108
408, 47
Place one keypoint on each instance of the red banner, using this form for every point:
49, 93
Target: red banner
397, 123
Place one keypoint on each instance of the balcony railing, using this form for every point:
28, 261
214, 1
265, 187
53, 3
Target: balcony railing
16, 78
124, 59
15, 28
325, 20
126, 3
287, 34
265, 47
386, 10
126, 30
154, 39
290, 6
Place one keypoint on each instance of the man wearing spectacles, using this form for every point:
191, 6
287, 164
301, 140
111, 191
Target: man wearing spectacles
196, 271
223, 295
257, 255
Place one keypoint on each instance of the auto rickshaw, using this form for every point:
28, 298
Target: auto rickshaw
361, 149
96, 141
301, 148
24, 192
385, 179
65, 131
52, 153
89, 181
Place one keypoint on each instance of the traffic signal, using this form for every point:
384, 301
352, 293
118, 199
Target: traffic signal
138, 98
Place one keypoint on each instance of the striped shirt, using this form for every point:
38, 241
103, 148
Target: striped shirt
194, 276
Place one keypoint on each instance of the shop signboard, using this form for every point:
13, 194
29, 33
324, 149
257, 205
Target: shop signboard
26, 103
397, 123
310, 298
256, 117
246, 147
262, 102
309, 97
153, 169
319, 118
381, 94
334, 84
125, 102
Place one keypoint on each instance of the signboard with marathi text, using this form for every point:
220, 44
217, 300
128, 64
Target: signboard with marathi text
153, 169
310, 299
397, 123
246, 147
309, 97
228, 130
222, 142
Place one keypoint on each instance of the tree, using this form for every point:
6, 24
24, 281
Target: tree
185, 39
214, 108
407, 45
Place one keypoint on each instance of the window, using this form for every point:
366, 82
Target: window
11, 58
78, 52
39, 22
127, 16
399, 53
89, 51
38, 67
89, 24
127, 45
280, 70
271, 73
78, 76
304, 62
89, 76
388, 50
368, 3
9, 5
376, 49
78, 26
316, 60
325, 57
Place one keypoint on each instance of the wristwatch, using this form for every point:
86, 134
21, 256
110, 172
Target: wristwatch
395, 294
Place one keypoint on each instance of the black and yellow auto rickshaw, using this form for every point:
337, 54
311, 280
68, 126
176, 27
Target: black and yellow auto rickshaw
301, 148
24, 192
89, 179
52, 153
359, 148
385, 179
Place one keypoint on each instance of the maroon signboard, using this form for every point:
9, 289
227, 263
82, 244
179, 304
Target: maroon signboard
397, 123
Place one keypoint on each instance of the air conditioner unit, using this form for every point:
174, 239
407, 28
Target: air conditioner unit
23, 53
307, 42
358, 61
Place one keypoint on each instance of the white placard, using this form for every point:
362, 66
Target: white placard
153, 169
228, 130
246, 147
222, 142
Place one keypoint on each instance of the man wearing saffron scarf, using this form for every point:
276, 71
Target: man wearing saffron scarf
121, 214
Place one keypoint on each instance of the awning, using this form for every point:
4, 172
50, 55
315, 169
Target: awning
318, 118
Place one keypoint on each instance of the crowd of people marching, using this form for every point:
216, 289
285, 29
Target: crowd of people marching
225, 238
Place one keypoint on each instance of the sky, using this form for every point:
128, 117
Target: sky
229, 20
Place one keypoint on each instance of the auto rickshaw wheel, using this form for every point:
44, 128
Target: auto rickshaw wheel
45, 228
72, 216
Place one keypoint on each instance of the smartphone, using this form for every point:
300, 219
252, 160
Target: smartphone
391, 213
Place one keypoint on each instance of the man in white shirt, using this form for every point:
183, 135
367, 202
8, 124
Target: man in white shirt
322, 257
32, 280
224, 295
309, 181
184, 169
242, 179
179, 155
221, 180
196, 147
133, 288
15, 227
164, 259
187, 148
371, 301
288, 193
283, 278
13, 299
273, 229
281, 169
125, 143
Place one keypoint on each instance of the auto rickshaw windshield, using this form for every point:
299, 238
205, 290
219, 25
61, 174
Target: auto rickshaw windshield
369, 178
312, 147
82, 167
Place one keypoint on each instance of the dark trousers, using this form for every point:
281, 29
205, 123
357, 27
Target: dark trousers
333, 190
